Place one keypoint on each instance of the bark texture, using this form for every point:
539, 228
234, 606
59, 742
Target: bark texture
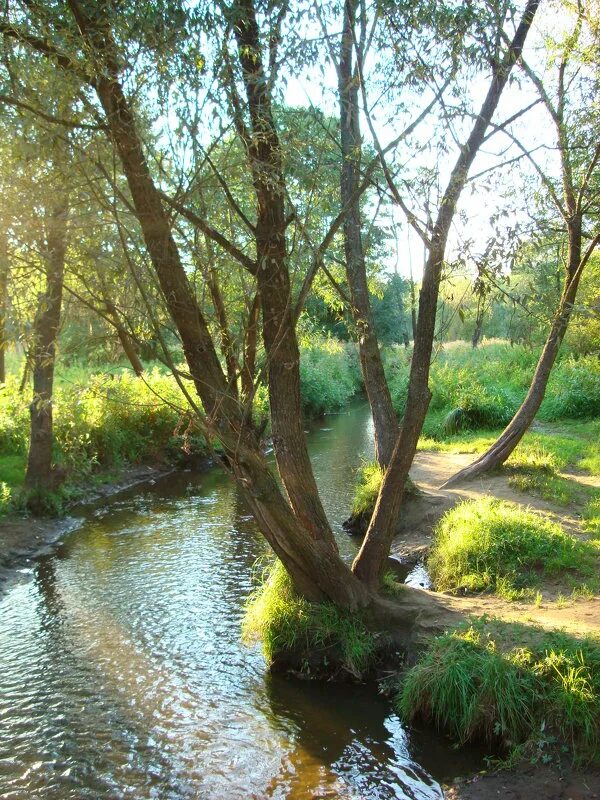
385, 421
43, 351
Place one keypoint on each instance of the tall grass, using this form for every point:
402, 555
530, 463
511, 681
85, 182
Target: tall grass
489, 544
314, 635
515, 684
482, 388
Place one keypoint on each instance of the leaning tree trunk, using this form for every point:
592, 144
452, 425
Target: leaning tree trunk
3, 302
127, 342
295, 529
371, 560
43, 353
519, 424
385, 421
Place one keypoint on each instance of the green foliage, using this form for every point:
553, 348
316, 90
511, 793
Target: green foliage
329, 375
574, 390
481, 389
490, 544
101, 420
514, 683
285, 623
367, 488
591, 516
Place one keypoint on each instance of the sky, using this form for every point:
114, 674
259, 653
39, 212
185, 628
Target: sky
478, 203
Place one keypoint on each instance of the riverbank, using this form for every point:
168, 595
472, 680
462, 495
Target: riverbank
24, 538
528, 781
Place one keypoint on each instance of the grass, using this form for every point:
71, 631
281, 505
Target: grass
591, 516
516, 684
368, 484
370, 476
535, 468
106, 418
492, 545
315, 635
479, 390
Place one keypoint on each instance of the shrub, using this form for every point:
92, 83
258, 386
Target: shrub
491, 544
287, 624
511, 683
101, 420
574, 390
329, 375
475, 389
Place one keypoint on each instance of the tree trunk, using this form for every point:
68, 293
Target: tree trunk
519, 424
126, 341
43, 353
250, 339
385, 421
3, 302
372, 558
476, 338
294, 530
278, 322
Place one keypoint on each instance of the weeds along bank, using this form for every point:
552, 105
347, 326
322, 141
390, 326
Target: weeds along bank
483, 388
106, 417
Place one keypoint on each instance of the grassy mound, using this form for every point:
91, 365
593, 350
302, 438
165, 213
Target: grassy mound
517, 684
370, 476
309, 636
491, 544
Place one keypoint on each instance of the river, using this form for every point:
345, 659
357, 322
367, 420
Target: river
122, 674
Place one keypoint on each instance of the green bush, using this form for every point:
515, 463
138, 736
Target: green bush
101, 420
574, 390
329, 375
483, 388
490, 544
512, 683
285, 624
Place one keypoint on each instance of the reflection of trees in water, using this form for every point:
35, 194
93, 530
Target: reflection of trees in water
52, 605
95, 694
339, 743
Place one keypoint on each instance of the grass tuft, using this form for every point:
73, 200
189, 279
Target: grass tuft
490, 544
370, 476
509, 683
313, 634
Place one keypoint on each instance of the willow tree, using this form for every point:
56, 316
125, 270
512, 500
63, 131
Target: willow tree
91, 43
571, 104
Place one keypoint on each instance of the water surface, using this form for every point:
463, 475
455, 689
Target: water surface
122, 674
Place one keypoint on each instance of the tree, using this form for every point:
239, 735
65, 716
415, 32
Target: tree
384, 417
294, 523
43, 348
370, 562
576, 137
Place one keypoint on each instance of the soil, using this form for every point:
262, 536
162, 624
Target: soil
527, 782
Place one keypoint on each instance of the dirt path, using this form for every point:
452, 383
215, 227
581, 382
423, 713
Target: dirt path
430, 470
